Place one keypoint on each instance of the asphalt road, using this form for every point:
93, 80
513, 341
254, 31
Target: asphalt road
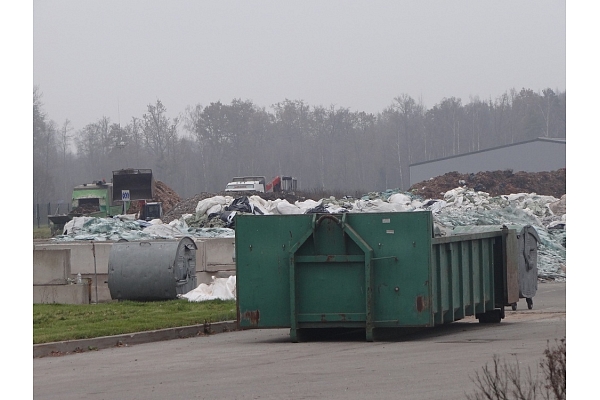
436, 363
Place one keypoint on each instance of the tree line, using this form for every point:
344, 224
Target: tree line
326, 148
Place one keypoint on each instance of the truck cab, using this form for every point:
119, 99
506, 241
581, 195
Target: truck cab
246, 184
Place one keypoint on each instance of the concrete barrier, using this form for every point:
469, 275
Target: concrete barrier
51, 273
62, 294
214, 257
86, 257
51, 267
216, 254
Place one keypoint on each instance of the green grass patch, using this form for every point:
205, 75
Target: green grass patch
58, 322
43, 232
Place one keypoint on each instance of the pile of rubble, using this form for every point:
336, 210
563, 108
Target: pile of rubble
496, 183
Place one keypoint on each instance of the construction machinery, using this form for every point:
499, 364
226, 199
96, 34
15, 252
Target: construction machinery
136, 185
260, 184
106, 199
89, 199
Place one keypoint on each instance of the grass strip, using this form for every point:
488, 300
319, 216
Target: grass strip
58, 322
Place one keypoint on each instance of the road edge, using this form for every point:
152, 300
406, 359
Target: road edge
130, 339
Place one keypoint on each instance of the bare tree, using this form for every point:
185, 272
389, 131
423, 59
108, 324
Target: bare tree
159, 133
64, 143
44, 150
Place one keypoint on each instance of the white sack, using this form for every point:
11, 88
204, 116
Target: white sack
220, 288
162, 231
204, 205
76, 225
306, 205
400, 198
285, 208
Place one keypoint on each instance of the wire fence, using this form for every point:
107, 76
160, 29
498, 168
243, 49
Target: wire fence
42, 210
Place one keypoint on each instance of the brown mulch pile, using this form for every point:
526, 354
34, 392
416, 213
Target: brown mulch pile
85, 209
496, 183
166, 196
162, 193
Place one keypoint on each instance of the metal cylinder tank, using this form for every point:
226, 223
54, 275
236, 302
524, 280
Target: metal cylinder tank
152, 270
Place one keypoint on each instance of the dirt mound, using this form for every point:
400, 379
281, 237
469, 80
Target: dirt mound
166, 196
187, 206
162, 193
496, 183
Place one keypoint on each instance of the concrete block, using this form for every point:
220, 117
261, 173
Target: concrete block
61, 294
98, 287
51, 266
218, 255
86, 257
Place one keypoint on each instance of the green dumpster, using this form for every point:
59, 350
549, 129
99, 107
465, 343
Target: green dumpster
366, 270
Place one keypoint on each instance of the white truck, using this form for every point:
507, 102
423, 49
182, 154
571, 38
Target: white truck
260, 184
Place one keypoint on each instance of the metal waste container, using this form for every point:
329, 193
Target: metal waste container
528, 271
367, 270
152, 270
525, 252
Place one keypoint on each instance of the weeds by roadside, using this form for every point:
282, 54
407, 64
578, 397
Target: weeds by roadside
503, 381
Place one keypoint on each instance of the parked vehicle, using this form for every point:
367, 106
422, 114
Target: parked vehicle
260, 184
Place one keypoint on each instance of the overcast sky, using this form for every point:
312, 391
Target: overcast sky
112, 58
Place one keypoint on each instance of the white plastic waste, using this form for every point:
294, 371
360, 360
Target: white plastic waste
219, 288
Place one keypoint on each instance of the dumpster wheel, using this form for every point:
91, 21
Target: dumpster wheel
514, 306
491, 317
529, 302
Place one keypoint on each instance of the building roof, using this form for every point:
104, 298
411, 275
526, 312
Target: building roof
539, 139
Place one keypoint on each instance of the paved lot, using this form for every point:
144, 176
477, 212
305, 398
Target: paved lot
430, 364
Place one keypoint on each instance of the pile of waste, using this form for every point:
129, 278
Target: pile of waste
496, 183
125, 227
461, 206
219, 288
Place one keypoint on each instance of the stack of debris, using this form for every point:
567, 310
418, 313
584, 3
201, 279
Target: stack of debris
496, 183
457, 204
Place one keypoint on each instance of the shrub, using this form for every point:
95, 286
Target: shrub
503, 381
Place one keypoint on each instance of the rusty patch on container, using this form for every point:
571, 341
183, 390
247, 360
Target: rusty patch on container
420, 303
323, 318
343, 316
330, 258
252, 316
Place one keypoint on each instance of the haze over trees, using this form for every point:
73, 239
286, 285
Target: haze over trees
326, 148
